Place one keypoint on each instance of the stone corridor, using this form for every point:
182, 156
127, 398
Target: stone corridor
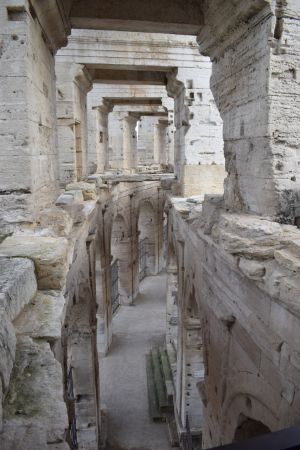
123, 371
149, 139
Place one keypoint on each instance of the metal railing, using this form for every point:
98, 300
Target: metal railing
73, 434
115, 295
187, 437
70, 384
165, 241
143, 257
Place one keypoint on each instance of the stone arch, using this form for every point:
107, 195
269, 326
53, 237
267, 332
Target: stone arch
80, 358
172, 291
190, 366
102, 295
121, 266
249, 428
244, 399
148, 238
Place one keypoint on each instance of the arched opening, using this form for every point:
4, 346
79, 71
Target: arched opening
172, 298
103, 310
81, 359
78, 150
147, 229
121, 271
249, 428
163, 256
190, 367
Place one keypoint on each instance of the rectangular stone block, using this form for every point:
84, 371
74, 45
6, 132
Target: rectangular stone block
17, 284
50, 256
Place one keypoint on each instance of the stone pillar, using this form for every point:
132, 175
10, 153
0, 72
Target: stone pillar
130, 142
168, 104
146, 140
28, 151
73, 83
102, 142
255, 82
160, 142
115, 140
198, 153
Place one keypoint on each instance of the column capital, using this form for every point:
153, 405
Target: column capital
105, 107
174, 86
84, 78
54, 22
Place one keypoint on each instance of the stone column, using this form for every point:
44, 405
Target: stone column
160, 142
73, 83
146, 140
115, 140
198, 153
28, 151
130, 142
102, 147
168, 104
255, 82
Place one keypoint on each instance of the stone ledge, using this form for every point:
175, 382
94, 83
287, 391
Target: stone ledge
49, 254
70, 197
42, 318
88, 190
17, 284
34, 412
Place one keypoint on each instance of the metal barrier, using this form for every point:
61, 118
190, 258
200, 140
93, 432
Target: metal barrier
165, 242
71, 410
187, 437
143, 257
115, 296
70, 384
73, 434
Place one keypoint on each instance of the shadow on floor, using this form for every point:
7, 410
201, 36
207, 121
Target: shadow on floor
110, 446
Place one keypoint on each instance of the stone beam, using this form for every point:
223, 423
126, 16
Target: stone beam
144, 109
134, 100
157, 16
109, 76
131, 51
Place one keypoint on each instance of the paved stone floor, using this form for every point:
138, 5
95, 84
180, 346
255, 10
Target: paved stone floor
123, 371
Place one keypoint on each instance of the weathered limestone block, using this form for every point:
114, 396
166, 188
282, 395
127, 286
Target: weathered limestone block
69, 198
251, 236
49, 254
75, 211
95, 178
17, 284
17, 287
43, 317
88, 189
57, 220
203, 179
289, 258
7, 354
252, 269
212, 207
35, 416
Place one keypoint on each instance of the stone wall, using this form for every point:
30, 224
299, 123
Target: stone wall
72, 84
29, 169
255, 86
242, 272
